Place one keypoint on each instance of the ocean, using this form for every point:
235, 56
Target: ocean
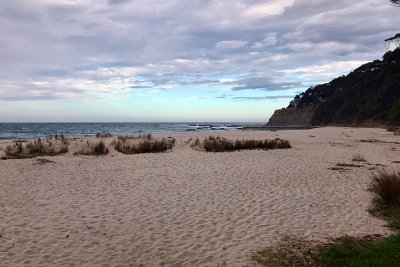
35, 130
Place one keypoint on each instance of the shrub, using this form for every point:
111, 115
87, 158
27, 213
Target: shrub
37, 147
97, 149
100, 149
386, 187
218, 144
143, 144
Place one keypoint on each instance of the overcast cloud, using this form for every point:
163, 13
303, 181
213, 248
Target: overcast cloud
75, 50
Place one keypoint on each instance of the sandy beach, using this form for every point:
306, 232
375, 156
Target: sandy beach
187, 207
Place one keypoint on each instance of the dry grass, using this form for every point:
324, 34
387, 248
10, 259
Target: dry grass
142, 144
36, 148
218, 144
96, 149
386, 187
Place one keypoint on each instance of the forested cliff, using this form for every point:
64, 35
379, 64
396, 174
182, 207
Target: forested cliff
370, 93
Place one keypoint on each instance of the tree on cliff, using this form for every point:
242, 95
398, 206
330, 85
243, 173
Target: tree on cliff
395, 2
395, 39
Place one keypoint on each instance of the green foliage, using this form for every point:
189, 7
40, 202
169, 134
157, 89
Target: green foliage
349, 252
369, 93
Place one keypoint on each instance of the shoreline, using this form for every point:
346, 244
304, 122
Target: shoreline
203, 131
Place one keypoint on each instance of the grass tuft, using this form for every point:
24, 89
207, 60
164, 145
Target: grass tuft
100, 149
97, 149
218, 144
33, 149
386, 187
143, 144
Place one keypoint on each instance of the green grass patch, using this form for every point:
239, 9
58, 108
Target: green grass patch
356, 252
373, 251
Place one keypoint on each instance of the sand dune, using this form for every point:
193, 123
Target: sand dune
186, 207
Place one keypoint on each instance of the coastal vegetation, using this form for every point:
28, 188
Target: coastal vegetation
96, 149
368, 95
220, 144
35, 148
142, 144
347, 251
127, 144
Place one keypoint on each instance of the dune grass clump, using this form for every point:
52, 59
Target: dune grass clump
14, 151
143, 144
218, 144
386, 187
96, 149
103, 135
100, 149
124, 138
35, 148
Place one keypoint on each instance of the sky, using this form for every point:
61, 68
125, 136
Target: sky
178, 60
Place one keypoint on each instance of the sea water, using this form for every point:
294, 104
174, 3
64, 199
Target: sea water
35, 130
